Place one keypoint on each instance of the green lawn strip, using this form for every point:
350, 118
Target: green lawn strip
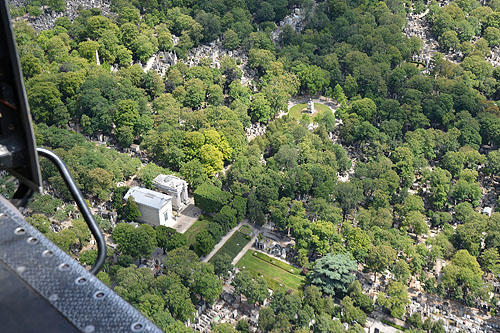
321, 108
390, 323
196, 228
273, 274
290, 269
245, 229
234, 245
296, 111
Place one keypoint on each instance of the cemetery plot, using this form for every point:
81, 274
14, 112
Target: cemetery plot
275, 272
246, 230
235, 244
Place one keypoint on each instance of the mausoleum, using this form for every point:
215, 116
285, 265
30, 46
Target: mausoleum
155, 207
175, 187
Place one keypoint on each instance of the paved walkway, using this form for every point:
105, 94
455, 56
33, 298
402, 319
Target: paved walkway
187, 217
245, 249
150, 63
224, 239
374, 324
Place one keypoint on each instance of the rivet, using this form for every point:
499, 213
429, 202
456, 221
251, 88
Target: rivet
20, 231
32, 240
81, 280
63, 267
99, 295
137, 327
89, 329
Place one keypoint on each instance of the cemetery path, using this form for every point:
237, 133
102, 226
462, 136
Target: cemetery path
187, 217
225, 238
375, 324
150, 63
245, 249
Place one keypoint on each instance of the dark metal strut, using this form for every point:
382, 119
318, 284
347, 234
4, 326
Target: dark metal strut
82, 206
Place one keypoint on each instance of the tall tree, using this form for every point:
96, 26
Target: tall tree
255, 290
46, 105
169, 239
222, 264
396, 299
131, 210
348, 195
325, 324
380, 258
463, 278
333, 273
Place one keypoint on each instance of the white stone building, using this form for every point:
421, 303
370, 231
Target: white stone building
174, 187
155, 207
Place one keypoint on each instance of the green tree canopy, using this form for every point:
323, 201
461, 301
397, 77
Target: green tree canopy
395, 299
333, 273
255, 290
463, 277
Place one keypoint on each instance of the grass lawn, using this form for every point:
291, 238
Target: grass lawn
296, 110
234, 245
245, 229
274, 275
318, 107
276, 262
196, 228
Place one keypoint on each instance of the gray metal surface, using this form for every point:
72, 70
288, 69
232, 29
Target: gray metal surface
23, 310
78, 295
15, 123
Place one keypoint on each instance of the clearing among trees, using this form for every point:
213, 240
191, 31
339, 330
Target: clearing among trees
275, 272
196, 228
299, 110
235, 244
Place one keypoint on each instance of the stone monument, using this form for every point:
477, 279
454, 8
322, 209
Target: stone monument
174, 187
310, 106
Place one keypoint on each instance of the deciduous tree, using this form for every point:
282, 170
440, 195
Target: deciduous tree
255, 290
169, 239
380, 258
222, 264
396, 299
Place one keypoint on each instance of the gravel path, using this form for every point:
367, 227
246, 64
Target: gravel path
224, 239
245, 249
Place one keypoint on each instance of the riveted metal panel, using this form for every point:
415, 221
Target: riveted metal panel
79, 296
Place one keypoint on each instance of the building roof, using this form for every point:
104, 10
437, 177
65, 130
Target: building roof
145, 197
169, 181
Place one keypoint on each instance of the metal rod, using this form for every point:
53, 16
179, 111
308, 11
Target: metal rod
82, 205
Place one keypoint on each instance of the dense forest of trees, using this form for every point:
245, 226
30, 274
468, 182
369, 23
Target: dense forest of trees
416, 140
